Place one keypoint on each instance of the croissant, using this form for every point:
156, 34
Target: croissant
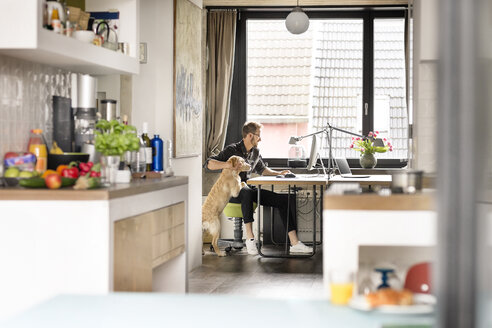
389, 296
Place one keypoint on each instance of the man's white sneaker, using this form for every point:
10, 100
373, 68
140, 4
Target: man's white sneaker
300, 248
251, 247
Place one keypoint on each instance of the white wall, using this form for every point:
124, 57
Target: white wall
426, 38
153, 103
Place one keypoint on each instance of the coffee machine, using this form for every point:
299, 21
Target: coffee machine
84, 106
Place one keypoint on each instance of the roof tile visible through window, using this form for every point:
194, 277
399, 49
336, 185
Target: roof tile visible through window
281, 69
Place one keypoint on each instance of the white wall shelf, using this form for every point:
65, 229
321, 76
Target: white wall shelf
34, 43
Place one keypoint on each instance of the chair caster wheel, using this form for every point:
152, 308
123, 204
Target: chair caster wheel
228, 249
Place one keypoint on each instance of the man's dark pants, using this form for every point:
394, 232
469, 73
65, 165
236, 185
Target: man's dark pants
249, 194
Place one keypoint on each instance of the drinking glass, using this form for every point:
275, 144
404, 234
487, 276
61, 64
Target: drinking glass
341, 286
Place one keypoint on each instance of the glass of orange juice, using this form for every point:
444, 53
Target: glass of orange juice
341, 286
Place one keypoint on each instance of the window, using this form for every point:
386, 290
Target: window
347, 70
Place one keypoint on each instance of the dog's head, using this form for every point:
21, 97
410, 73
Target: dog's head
237, 161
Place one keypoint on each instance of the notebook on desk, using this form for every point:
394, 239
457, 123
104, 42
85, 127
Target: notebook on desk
344, 169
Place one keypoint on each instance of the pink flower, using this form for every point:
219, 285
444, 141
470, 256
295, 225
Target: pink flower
389, 144
377, 132
391, 148
362, 150
385, 139
370, 134
357, 138
352, 146
353, 138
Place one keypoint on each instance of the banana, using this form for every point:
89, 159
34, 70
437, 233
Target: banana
55, 149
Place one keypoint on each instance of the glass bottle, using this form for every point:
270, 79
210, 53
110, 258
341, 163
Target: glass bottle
148, 148
138, 163
157, 154
37, 146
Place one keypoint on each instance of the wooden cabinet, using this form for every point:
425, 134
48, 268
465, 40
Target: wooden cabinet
144, 242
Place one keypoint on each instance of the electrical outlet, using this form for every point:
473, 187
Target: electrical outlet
142, 54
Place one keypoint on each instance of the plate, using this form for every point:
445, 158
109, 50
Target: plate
424, 303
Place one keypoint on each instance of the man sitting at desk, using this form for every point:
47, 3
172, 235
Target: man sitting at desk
248, 149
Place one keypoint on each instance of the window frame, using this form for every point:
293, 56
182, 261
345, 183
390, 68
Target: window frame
238, 112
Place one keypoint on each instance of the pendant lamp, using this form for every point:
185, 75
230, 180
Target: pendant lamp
297, 22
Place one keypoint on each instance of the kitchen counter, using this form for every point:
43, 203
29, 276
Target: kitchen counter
371, 201
116, 191
129, 237
361, 232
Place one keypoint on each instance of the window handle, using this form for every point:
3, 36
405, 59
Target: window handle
366, 109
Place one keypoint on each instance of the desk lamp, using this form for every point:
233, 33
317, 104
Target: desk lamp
329, 131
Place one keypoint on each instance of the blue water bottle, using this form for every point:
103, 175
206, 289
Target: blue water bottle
157, 153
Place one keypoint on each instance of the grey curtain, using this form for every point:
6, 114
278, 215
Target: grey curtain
221, 39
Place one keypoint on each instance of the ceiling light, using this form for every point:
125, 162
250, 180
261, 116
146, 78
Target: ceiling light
297, 22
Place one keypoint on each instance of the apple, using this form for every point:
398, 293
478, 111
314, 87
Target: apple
26, 174
53, 181
11, 172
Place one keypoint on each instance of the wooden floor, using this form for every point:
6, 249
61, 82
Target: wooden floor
243, 274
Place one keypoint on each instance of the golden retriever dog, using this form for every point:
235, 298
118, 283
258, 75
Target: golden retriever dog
228, 185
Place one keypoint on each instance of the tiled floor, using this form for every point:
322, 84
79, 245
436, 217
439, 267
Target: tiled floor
243, 274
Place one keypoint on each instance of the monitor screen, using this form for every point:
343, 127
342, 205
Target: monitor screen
313, 155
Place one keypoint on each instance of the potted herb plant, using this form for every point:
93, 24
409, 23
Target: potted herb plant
367, 148
112, 140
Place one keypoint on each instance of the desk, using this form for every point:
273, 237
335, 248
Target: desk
299, 180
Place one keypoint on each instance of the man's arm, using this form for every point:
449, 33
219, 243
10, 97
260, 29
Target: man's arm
214, 164
269, 171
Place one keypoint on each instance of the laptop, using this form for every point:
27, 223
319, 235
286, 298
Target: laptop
344, 169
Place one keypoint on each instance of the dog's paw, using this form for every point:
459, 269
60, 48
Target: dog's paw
221, 254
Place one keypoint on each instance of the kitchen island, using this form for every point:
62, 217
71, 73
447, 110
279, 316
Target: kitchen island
370, 230
129, 237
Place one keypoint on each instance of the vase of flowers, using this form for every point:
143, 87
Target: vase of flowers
367, 148
112, 140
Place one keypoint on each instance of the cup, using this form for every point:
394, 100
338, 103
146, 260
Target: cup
341, 286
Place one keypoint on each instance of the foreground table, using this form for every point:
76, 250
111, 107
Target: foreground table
171, 310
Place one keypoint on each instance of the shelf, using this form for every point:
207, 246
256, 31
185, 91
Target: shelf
74, 55
46, 47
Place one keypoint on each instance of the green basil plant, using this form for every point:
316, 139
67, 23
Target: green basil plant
114, 138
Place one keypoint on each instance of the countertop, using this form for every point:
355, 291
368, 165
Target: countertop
116, 191
420, 201
151, 310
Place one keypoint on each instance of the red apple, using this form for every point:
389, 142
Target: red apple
53, 181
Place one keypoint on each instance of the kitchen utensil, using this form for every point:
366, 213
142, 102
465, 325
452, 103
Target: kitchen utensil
110, 38
85, 36
94, 155
85, 122
108, 109
64, 159
406, 181
63, 124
